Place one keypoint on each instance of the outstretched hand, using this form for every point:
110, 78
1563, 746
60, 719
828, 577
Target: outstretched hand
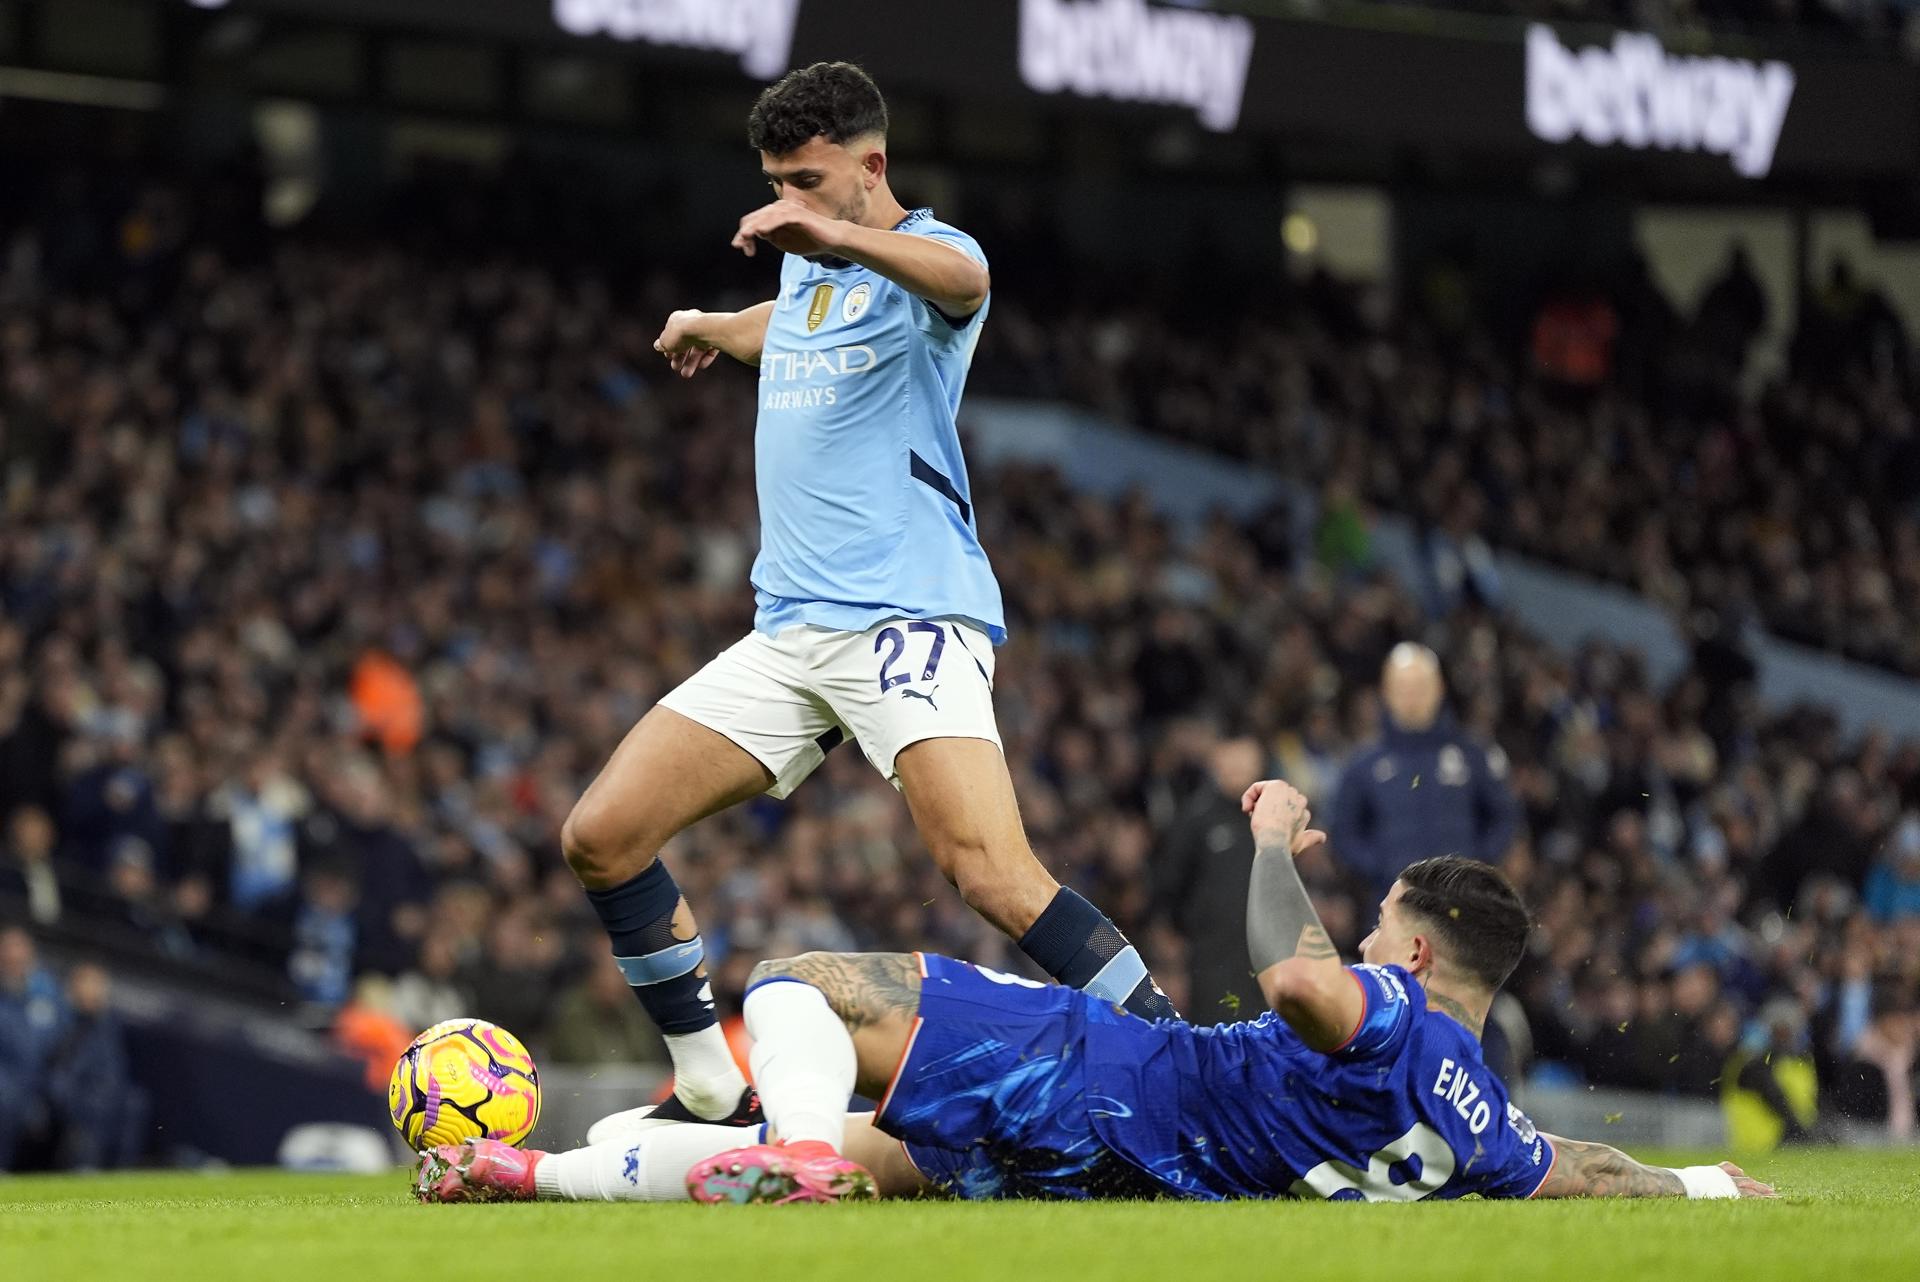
1748, 1186
1280, 816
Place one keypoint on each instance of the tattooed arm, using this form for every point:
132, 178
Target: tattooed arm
1582, 1169
1299, 971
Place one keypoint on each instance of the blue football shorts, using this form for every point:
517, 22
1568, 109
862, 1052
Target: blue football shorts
991, 1099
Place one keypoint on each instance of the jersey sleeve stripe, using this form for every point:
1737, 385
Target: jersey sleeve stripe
1366, 1008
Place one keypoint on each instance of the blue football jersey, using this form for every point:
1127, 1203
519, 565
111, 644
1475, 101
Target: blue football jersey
1405, 1110
866, 513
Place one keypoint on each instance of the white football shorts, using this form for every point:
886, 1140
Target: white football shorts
790, 699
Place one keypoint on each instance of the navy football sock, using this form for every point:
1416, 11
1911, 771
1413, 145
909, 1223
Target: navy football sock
1075, 943
664, 971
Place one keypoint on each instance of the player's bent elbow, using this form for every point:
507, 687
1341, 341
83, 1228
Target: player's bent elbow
1314, 996
971, 295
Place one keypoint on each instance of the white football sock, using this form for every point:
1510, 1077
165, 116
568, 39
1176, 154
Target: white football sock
651, 1169
704, 1075
803, 1062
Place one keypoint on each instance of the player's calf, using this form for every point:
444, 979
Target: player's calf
963, 804
667, 773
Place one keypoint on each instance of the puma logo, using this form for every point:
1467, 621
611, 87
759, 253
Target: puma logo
928, 696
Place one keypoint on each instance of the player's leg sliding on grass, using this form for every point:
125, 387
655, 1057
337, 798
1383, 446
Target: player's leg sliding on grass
876, 609
824, 1026
1364, 1083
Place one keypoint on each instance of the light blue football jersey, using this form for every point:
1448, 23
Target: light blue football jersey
866, 513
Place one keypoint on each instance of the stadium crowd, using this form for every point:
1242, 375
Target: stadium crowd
1618, 442
328, 578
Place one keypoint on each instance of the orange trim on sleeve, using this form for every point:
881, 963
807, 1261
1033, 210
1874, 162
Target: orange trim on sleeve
913, 1035
1366, 1006
893, 1083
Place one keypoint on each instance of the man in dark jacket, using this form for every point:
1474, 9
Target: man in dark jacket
31, 1017
1200, 869
89, 1084
1424, 787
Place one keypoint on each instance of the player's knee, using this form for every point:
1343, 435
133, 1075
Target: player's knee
594, 846
817, 969
771, 968
968, 867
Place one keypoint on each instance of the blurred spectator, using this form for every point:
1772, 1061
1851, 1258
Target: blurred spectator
430, 992
513, 979
262, 806
323, 922
388, 701
32, 1014
1770, 1091
1201, 866
1424, 788
1573, 339
1835, 837
95, 1110
597, 1022
366, 1029
140, 901
353, 827
28, 870
1848, 329
1733, 312
1875, 1080
110, 800
1893, 884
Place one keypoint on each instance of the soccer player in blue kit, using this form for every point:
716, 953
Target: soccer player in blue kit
1362, 1082
877, 612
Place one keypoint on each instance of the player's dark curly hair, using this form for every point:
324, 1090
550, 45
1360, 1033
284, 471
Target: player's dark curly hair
1477, 914
834, 100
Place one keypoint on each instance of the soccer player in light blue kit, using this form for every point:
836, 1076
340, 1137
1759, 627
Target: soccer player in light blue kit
877, 612
1361, 1083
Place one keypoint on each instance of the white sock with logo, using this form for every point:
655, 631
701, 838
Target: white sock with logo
704, 1075
651, 1169
803, 1061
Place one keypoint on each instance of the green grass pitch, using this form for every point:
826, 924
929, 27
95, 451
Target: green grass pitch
1842, 1215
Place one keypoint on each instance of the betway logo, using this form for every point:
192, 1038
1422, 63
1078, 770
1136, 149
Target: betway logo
1124, 50
1637, 95
760, 31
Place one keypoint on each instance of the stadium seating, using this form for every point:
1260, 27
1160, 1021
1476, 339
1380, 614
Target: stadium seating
329, 578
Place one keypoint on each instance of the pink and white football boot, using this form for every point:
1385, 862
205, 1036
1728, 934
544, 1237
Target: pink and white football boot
476, 1171
807, 1171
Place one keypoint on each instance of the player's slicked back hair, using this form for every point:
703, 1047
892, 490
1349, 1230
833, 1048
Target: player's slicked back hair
1477, 914
833, 100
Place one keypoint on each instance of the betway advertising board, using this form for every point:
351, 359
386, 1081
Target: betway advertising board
1612, 96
